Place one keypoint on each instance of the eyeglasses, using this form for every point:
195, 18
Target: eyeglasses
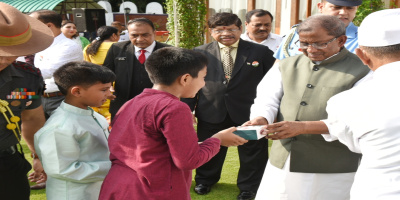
219, 31
305, 45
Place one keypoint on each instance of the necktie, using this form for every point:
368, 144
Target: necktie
142, 57
227, 62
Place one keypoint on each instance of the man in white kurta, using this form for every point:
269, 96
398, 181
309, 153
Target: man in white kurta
73, 148
300, 78
367, 118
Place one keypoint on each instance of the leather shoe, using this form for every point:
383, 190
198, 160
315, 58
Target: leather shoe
38, 186
202, 189
246, 195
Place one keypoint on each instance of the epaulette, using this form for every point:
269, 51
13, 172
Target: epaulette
26, 67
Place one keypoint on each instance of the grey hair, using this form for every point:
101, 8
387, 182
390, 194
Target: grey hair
333, 25
392, 51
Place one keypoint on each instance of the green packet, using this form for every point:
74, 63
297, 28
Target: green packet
249, 132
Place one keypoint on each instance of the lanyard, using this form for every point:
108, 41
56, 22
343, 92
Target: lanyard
12, 121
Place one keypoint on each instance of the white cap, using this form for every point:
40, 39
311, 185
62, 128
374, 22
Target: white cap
381, 28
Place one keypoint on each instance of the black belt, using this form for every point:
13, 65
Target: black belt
9, 151
52, 94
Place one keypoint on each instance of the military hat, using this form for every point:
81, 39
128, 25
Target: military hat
21, 34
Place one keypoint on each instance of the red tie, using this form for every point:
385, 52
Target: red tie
142, 57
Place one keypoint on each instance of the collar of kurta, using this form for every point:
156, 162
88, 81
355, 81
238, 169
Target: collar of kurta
75, 109
334, 58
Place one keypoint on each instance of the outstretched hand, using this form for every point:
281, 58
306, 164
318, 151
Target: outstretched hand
228, 138
256, 121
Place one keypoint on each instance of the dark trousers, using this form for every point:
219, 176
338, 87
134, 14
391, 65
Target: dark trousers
13, 179
253, 158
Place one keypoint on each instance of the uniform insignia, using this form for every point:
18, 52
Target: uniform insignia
15, 103
22, 93
27, 67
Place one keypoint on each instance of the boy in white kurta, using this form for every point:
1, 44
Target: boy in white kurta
72, 145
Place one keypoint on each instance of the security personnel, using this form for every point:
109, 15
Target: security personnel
345, 10
21, 87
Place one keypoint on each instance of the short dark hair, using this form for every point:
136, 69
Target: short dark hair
49, 16
142, 20
81, 73
224, 19
258, 13
165, 65
331, 24
103, 33
391, 51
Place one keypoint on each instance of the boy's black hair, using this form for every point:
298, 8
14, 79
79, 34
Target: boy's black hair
165, 65
81, 73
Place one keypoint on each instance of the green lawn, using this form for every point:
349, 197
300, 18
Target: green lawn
225, 189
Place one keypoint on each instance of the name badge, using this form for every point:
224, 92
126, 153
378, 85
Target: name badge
121, 58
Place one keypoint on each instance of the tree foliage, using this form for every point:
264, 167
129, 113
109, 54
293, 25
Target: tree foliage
367, 7
190, 22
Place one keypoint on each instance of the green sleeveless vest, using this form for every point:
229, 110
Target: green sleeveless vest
307, 88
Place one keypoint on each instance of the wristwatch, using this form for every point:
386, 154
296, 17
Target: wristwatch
34, 156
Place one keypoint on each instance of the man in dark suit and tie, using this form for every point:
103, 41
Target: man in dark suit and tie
126, 59
235, 68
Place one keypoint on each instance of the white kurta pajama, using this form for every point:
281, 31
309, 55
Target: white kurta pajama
74, 152
367, 120
281, 183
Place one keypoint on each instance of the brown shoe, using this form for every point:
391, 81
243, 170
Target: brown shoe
38, 186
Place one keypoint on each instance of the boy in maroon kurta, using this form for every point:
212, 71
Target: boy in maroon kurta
153, 144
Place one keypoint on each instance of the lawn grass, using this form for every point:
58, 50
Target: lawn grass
225, 189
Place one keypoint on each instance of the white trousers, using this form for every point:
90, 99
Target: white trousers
281, 184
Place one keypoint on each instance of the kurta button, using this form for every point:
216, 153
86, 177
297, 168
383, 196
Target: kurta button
303, 103
310, 86
315, 68
224, 82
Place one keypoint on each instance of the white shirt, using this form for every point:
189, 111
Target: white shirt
60, 52
367, 120
148, 49
272, 41
281, 183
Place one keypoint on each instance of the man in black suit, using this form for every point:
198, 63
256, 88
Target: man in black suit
126, 60
225, 100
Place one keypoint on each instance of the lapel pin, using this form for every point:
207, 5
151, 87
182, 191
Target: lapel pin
255, 64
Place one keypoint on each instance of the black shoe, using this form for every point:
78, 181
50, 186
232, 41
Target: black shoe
246, 195
202, 189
